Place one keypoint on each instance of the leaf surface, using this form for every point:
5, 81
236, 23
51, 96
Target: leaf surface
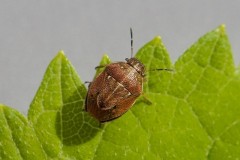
17, 137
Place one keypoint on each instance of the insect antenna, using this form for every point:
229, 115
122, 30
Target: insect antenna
131, 33
162, 69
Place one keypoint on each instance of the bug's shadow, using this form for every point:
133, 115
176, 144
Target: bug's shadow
74, 125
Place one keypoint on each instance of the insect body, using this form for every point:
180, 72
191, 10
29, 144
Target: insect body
115, 90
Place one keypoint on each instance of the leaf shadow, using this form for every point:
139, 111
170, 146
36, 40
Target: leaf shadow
74, 125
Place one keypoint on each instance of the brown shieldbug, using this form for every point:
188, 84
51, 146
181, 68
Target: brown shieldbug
114, 91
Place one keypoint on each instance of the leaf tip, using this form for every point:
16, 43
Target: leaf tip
105, 56
221, 29
61, 53
157, 39
105, 59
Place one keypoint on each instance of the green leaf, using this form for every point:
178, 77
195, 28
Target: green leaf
196, 115
155, 56
194, 112
57, 113
17, 137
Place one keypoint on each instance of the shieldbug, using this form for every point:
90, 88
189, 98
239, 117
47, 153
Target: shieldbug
113, 92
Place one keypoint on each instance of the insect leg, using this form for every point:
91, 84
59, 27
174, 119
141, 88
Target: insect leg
100, 66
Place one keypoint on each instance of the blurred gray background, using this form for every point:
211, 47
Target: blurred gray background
32, 32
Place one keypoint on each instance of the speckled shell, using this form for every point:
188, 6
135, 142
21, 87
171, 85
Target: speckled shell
115, 90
